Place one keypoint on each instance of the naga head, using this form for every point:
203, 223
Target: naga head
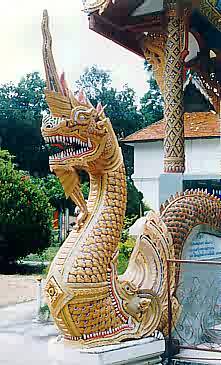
77, 140
77, 133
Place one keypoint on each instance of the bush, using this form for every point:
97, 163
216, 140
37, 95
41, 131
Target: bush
125, 250
85, 188
128, 222
52, 188
55, 192
135, 204
25, 214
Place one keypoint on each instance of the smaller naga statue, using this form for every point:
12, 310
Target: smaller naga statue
91, 304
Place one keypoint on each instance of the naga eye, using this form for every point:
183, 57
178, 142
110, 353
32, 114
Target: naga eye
97, 119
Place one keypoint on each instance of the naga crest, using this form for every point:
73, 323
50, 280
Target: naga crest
76, 131
79, 136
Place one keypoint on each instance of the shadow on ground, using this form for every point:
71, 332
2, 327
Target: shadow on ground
23, 269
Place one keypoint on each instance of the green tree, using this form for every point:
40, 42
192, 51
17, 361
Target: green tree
25, 214
152, 102
95, 82
52, 188
21, 109
135, 204
121, 106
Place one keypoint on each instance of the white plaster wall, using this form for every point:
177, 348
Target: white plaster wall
148, 165
202, 158
148, 159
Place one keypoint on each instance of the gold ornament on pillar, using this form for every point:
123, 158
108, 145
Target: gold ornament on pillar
154, 51
166, 53
174, 154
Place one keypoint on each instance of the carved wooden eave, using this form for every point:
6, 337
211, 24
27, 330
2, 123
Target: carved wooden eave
141, 27
122, 37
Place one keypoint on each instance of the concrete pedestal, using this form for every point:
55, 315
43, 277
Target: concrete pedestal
198, 357
141, 352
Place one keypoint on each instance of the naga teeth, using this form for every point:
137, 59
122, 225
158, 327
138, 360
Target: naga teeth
89, 143
69, 140
75, 146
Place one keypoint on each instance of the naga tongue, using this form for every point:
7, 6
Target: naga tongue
58, 145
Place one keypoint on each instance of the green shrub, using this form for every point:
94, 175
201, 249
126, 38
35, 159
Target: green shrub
128, 222
85, 188
25, 214
135, 204
47, 255
125, 250
44, 313
52, 188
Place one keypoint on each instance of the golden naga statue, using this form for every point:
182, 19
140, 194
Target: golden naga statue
90, 303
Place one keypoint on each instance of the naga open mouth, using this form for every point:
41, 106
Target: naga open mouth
62, 147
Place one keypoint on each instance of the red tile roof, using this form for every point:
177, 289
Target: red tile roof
196, 125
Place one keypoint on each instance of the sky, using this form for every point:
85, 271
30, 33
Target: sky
74, 46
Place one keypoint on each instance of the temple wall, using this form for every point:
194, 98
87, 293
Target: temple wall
202, 158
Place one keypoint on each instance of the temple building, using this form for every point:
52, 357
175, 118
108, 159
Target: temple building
181, 39
202, 145
177, 38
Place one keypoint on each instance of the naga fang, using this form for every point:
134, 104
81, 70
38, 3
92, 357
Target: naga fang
90, 303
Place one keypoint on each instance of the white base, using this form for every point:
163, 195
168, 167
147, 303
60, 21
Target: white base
143, 352
197, 356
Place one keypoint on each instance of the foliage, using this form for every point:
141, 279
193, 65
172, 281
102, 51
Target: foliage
85, 188
25, 215
128, 222
46, 255
94, 82
146, 207
121, 105
52, 187
21, 109
44, 313
135, 204
152, 101
125, 250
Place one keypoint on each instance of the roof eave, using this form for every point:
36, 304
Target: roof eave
161, 139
